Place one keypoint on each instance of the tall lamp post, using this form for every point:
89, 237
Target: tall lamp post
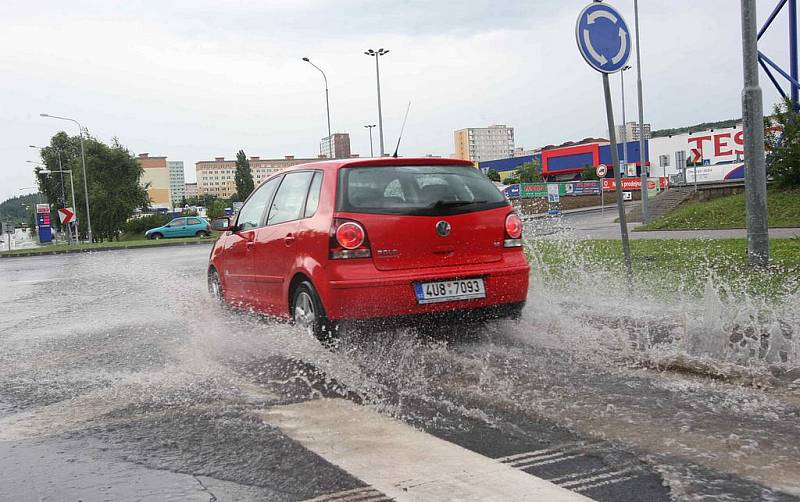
83, 163
624, 123
645, 195
327, 107
371, 151
377, 54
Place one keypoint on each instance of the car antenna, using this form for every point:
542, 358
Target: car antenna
401, 130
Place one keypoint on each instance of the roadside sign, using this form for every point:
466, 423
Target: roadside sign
603, 37
627, 195
553, 195
630, 169
66, 215
43, 223
601, 170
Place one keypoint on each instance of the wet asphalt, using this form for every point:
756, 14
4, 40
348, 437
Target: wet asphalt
121, 380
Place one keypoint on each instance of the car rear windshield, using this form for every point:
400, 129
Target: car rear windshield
416, 190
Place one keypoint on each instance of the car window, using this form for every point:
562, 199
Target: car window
177, 222
193, 221
313, 195
416, 190
290, 198
253, 210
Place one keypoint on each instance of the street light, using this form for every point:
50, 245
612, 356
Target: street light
327, 107
377, 54
370, 126
83, 162
624, 124
58, 152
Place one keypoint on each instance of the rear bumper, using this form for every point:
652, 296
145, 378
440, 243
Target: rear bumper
391, 294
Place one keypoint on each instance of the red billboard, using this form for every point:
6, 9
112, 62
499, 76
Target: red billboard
635, 184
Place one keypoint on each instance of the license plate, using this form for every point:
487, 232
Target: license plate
446, 291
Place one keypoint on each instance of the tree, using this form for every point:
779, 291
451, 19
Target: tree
784, 146
244, 176
530, 172
493, 175
113, 179
216, 209
511, 180
589, 173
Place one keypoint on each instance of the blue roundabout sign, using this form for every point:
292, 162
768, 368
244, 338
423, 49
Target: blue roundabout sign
603, 37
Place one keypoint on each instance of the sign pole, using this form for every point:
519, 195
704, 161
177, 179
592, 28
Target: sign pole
755, 173
623, 226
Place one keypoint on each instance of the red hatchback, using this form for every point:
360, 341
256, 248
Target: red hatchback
373, 239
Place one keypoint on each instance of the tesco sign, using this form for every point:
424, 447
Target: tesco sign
702, 147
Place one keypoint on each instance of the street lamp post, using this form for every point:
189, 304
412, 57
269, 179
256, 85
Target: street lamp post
624, 123
371, 151
83, 163
645, 195
327, 107
377, 54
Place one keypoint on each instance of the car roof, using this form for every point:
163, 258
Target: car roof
380, 161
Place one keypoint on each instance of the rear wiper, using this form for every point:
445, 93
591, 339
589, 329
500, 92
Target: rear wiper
456, 203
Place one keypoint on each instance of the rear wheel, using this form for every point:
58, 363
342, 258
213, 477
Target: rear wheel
308, 313
215, 286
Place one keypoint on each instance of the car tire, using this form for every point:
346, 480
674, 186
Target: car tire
156, 236
215, 286
201, 234
308, 313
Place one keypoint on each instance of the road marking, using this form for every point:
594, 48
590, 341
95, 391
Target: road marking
537, 462
402, 462
365, 494
604, 483
590, 480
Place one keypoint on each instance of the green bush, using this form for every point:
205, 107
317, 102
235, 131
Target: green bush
140, 225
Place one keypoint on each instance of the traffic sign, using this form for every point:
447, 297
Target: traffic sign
66, 215
603, 37
601, 170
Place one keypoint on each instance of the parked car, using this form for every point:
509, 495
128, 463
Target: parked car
373, 239
191, 226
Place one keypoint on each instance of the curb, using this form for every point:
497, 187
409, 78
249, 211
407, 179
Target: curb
116, 248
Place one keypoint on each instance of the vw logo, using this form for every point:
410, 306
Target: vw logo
443, 228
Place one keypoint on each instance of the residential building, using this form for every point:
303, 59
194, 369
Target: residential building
340, 144
484, 143
217, 177
190, 190
157, 179
177, 183
631, 130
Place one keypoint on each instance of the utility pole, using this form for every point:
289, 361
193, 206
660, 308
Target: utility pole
755, 162
642, 162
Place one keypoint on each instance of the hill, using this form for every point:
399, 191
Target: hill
13, 209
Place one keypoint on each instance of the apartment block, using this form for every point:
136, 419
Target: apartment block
484, 143
157, 175
177, 183
340, 144
217, 177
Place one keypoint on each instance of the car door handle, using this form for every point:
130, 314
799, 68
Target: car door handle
289, 239
250, 244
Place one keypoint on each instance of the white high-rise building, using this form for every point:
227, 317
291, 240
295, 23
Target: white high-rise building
177, 187
485, 143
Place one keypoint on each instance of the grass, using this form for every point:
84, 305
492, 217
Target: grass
667, 266
125, 243
729, 212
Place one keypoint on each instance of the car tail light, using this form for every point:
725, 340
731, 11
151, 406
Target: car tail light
513, 231
348, 240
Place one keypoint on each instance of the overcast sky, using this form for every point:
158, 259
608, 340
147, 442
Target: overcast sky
194, 80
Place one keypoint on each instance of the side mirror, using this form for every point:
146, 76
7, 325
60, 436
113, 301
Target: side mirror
221, 224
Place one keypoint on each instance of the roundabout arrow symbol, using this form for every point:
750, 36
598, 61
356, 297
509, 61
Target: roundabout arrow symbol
623, 46
596, 55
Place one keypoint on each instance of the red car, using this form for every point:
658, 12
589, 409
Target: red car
373, 239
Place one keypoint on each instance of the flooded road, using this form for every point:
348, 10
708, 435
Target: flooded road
121, 380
